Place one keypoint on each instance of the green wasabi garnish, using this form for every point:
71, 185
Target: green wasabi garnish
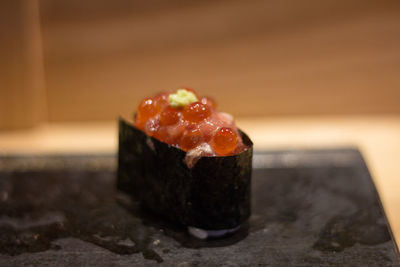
181, 98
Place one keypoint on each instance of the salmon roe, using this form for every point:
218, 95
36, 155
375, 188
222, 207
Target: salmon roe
162, 135
190, 139
188, 127
147, 109
196, 112
161, 99
209, 102
169, 116
224, 141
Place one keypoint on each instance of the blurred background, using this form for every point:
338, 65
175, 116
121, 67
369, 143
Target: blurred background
93, 60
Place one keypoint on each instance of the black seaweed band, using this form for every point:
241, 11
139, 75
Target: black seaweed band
214, 194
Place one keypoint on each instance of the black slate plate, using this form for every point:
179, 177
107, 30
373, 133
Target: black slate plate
310, 208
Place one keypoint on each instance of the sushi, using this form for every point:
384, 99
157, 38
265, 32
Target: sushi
187, 162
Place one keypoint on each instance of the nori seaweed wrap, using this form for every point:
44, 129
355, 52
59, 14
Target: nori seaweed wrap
214, 194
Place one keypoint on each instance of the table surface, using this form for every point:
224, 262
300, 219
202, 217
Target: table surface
377, 137
309, 207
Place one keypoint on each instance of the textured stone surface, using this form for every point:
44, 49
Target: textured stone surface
309, 208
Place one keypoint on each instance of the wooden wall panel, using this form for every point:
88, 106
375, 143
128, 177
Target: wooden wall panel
22, 93
258, 58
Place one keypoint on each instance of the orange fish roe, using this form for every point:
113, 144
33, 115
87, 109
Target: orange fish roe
147, 109
224, 141
209, 102
196, 112
161, 100
195, 125
169, 116
190, 139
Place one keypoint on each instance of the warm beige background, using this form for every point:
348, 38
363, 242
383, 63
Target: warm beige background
257, 58
23, 100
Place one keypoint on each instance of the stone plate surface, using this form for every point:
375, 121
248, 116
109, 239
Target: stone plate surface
309, 208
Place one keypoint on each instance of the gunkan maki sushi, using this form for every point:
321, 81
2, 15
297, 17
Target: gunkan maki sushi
187, 162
